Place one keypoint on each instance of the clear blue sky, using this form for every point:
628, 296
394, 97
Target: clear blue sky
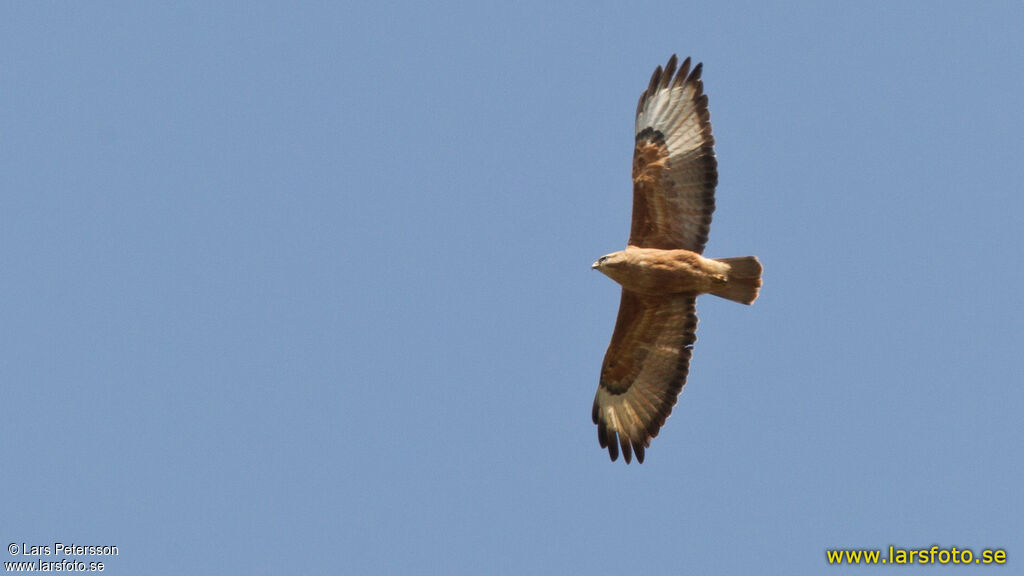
310, 286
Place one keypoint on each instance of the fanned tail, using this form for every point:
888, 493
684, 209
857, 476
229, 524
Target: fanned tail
743, 281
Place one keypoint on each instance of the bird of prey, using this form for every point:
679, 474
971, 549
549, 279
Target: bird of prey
661, 270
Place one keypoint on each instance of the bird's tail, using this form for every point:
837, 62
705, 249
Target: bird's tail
743, 281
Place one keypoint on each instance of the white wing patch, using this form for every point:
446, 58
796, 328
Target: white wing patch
672, 110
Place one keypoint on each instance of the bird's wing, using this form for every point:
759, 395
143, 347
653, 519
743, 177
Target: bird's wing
674, 166
644, 370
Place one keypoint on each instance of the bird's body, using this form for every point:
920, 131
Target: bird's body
662, 270
655, 272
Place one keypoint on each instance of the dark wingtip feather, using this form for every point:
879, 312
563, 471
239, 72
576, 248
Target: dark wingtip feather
667, 76
627, 451
684, 70
655, 80
682, 74
695, 75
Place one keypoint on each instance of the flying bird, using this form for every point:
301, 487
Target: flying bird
661, 270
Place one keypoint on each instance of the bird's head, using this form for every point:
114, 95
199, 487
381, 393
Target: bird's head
609, 262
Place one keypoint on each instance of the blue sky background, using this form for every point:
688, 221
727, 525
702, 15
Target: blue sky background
308, 288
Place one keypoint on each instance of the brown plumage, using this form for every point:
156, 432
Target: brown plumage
661, 270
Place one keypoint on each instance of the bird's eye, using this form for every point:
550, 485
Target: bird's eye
602, 259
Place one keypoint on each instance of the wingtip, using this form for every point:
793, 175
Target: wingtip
697, 70
617, 443
655, 81
683, 73
627, 451
667, 76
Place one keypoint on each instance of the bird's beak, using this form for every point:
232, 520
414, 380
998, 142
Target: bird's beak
595, 265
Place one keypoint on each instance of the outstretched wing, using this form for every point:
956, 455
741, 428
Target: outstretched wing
674, 166
644, 370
